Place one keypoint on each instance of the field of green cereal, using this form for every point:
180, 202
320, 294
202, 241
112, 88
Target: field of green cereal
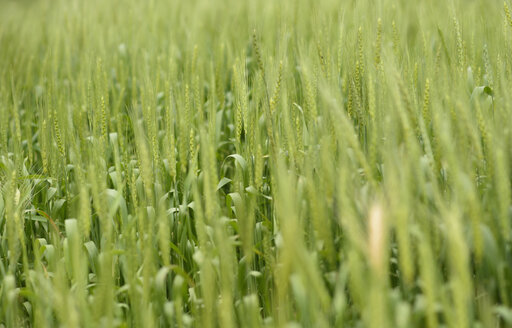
235, 163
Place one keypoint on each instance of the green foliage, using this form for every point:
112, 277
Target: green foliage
293, 163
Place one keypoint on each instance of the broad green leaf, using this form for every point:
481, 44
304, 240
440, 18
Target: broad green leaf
239, 160
224, 181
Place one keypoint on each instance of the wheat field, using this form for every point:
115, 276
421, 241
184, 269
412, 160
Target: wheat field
233, 163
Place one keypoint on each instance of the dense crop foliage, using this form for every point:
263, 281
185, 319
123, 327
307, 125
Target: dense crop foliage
294, 163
